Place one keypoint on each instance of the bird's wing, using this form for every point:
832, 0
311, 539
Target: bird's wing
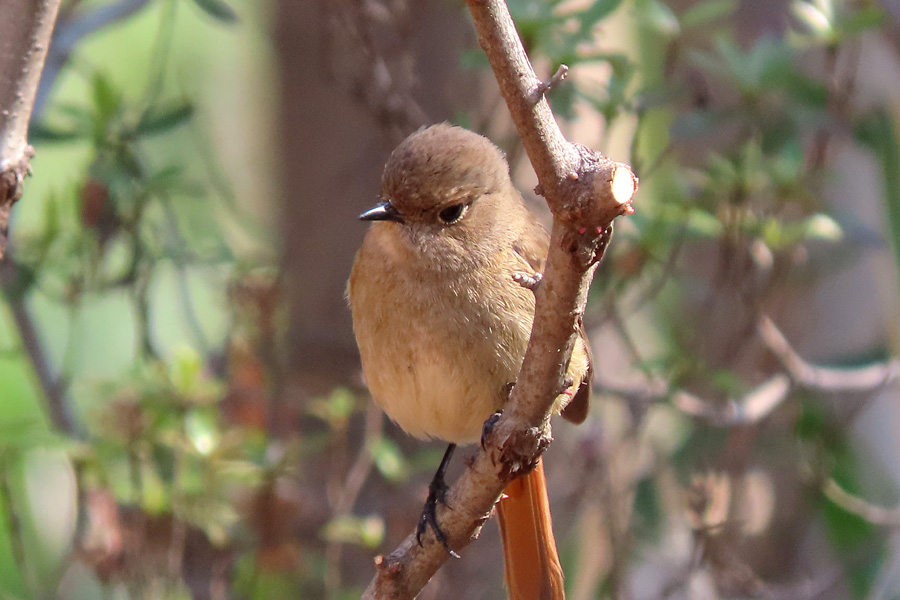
532, 246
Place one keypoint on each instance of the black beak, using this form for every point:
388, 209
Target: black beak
383, 211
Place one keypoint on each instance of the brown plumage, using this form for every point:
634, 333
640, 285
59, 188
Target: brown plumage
441, 323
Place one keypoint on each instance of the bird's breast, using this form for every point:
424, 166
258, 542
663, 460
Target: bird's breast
438, 350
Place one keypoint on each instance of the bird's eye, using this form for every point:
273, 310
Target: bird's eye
453, 213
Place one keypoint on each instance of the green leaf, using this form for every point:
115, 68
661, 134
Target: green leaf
807, 91
350, 529
830, 24
763, 62
336, 409
22, 435
600, 10
765, 65
201, 427
188, 377
596, 12
166, 179
864, 19
388, 460
660, 19
218, 9
701, 15
107, 99
51, 230
164, 119
702, 224
41, 132
711, 63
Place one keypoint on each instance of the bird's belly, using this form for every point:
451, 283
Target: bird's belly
440, 374
433, 396
438, 350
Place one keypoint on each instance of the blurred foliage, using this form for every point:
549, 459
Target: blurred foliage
732, 136
146, 450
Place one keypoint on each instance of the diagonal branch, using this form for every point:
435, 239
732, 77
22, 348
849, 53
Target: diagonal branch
870, 378
58, 403
25, 30
753, 408
585, 192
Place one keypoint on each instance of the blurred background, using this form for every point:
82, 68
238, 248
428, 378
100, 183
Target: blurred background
182, 412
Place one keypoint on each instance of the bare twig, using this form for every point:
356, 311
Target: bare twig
350, 491
752, 408
376, 69
53, 386
765, 398
863, 379
25, 31
875, 515
585, 192
545, 86
645, 393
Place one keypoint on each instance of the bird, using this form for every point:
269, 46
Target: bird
442, 319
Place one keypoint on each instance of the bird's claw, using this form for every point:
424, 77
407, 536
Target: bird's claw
489, 426
437, 492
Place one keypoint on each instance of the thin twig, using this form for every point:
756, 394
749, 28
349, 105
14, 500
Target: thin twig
53, 386
159, 57
876, 515
869, 379
765, 398
752, 408
546, 86
189, 310
353, 485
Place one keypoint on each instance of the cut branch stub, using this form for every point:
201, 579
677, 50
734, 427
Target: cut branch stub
520, 452
515, 450
597, 191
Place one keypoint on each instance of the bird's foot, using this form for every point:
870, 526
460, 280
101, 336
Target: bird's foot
489, 426
437, 492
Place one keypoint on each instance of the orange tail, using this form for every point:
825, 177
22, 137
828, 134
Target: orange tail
533, 571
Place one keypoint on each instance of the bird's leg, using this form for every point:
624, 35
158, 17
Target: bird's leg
437, 492
492, 420
489, 426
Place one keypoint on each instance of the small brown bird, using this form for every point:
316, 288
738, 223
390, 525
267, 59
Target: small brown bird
442, 320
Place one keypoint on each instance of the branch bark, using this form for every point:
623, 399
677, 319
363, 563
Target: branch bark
25, 31
585, 192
